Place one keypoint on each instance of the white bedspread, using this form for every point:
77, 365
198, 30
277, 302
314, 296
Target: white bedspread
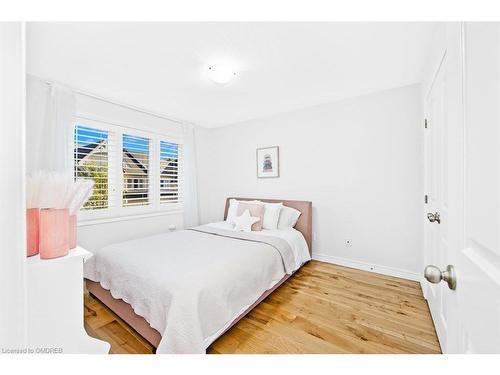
190, 285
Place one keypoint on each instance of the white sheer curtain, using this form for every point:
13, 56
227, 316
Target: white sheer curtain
191, 217
51, 111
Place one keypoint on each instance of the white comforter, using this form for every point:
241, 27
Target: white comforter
189, 285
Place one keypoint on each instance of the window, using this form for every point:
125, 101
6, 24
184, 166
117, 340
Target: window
135, 161
91, 162
135, 172
169, 172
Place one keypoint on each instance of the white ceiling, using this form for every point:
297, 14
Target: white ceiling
283, 66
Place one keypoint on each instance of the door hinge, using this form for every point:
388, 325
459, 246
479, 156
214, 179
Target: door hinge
426, 199
425, 123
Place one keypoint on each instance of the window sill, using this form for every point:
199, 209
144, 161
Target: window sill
87, 222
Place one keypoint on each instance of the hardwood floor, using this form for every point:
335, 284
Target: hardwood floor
323, 308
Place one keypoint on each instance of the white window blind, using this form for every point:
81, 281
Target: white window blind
169, 172
91, 161
136, 171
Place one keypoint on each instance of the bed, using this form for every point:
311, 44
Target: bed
183, 290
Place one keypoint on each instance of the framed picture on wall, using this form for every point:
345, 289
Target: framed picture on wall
268, 162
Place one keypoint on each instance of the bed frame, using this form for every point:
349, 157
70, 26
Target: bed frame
137, 322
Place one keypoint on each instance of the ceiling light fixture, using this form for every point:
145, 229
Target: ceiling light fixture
221, 74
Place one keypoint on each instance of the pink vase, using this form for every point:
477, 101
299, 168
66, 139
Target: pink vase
72, 231
54, 233
32, 231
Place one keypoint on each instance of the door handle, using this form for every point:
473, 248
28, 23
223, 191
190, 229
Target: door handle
435, 275
434, 217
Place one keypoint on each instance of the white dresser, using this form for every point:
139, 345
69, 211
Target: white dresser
55, 306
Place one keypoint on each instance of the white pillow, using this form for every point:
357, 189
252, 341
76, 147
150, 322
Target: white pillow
233, 209
271, 215
288, 217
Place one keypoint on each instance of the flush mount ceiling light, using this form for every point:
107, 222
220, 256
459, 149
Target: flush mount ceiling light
221, 74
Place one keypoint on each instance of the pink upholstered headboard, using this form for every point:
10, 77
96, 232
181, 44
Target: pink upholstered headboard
304, 224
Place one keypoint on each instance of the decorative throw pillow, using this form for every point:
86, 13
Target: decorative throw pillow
244, 222
271, 215
232, 211
255, 209
288, 217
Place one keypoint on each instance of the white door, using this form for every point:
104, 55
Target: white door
463, 161
436, 242
478, 262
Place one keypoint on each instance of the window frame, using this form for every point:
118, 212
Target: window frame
115, 210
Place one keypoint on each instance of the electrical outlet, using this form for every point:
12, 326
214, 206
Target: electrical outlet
348, 243
172, 227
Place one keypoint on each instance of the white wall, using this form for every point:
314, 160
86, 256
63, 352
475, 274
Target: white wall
12, 200
358, 160
95, 234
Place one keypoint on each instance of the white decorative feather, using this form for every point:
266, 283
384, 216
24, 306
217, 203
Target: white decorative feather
45, 193
83, 192
33, 190
46, 189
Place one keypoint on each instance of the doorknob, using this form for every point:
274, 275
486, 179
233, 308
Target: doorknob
434, 217
435, 275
